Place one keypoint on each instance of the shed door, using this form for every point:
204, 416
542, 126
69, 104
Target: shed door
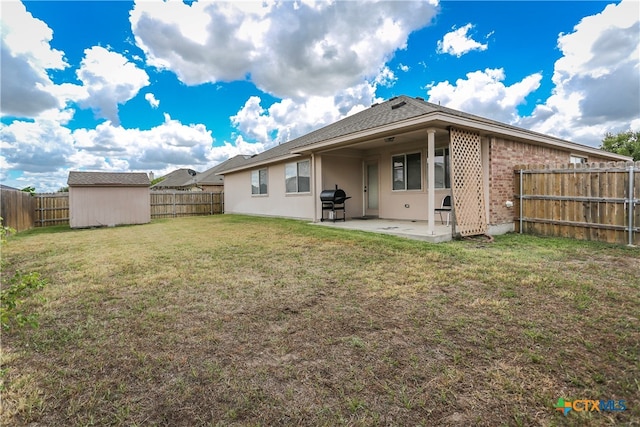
467, 184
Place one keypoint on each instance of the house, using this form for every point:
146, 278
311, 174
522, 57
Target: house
179, 179
210, 181
108, 199
398, 160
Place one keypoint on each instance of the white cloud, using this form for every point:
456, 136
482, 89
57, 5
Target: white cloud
385, 77
289, 119
42, 146
239, 147
151, 99
288, 49
596, 80
46, 149
404, 68
109, 79
26, 55
484, 93
458, 42
29, 37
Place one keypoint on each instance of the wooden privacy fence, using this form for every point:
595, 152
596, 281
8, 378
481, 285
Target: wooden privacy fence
17, 209
172, 204
22, 211
595, 201
52, 209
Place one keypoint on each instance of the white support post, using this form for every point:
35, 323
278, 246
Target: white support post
431, 178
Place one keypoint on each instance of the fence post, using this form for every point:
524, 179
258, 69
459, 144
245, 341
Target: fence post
631, 201
211, 195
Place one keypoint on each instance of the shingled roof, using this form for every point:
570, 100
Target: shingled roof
179, 178
108, 179
394, 110
210, 177
376, 115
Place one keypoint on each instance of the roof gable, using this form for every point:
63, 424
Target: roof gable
134, 179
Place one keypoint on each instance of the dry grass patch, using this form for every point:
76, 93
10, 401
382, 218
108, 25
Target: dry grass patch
250, 321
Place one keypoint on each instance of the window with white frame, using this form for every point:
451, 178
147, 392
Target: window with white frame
577, 159
442, 168
407, 171
297, 177
259, 181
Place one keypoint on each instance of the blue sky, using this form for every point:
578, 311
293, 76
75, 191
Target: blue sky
155, 86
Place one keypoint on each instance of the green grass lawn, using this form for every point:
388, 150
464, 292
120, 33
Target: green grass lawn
232, 320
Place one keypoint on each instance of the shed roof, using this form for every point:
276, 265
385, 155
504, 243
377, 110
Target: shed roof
107, 179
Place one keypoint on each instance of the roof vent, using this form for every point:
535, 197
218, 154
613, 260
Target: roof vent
191, 172
419, 98
398, 105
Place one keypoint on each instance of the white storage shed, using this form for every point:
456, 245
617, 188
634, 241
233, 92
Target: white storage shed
107, 199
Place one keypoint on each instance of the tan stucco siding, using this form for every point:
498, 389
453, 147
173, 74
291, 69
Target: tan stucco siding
346, 173
108, 206
238, 198
406, 204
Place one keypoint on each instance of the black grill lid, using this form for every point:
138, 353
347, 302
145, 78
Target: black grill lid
333, 195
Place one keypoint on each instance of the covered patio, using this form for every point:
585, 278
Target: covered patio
416, 230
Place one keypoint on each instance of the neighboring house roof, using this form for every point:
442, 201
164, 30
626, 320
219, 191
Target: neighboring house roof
107, 179
179, 178
391, 116
210, 177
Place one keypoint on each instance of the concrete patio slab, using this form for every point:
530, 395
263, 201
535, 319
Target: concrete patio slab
416, 230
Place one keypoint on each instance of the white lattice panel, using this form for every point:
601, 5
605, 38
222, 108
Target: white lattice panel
466, 183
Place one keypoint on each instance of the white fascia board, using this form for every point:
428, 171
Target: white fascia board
262, 163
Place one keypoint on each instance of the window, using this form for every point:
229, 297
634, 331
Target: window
259, 181
442, 168
296, 177
577, 159
407, 172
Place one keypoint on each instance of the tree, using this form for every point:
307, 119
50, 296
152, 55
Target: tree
157, 180
625, 143
30, 189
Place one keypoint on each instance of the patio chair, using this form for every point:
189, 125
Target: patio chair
445, 207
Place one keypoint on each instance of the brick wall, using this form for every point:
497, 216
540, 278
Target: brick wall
504, 155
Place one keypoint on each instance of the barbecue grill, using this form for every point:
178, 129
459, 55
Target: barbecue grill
333, 201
